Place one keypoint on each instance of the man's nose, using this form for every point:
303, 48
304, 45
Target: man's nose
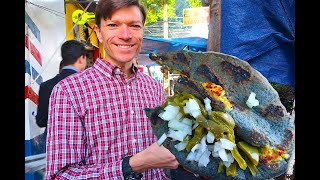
125, 32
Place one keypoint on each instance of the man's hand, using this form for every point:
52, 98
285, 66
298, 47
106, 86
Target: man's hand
154, 156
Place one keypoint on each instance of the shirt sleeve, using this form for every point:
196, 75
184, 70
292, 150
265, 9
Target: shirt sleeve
162, 97
66, 150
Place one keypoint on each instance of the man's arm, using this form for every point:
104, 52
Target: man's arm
66, 144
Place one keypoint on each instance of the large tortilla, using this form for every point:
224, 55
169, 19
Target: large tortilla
266, 124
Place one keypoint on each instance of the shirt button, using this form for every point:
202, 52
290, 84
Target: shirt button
132, 112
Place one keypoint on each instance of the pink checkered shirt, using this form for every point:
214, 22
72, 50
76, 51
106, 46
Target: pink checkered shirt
96, 118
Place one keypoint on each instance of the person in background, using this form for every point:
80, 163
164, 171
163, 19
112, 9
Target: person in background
61, 65
97, 127
73, 55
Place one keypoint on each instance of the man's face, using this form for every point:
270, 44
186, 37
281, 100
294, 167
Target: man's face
121, 35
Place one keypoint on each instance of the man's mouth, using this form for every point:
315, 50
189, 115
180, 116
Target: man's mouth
124, 46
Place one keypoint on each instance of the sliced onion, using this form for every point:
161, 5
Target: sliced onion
207, 105
204, 159
252, 101
178, 125
181, 145
195, 147
191, 156
178, 135
192, 105
210, 137
230, 160
223, 155
187, 121
170, 112
203, 144
198, 155
162, 139
227, 144
255, 156
217, 146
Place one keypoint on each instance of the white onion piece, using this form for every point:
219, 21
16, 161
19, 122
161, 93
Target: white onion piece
207, 105
170, 112
230, 160
210, 137
179, 116
186, 110
191, 156
187, 121
162, 139
192, 108
178, 135
178, 125
181, 145
203, 144
198, 155
192, 105
204, 159
223, 155
195, 147
255, 156
252, 101
195, 113
217, 146
227, 144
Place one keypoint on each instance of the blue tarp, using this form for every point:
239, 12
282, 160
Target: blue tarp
259, 32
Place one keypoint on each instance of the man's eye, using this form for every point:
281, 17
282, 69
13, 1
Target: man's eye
112, 25
136, 26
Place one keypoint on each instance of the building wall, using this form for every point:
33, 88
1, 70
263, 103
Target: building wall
45, 31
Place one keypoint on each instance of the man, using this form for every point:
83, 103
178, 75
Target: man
73, 55
97, 128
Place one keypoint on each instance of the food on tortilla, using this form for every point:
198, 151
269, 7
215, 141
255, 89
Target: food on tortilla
263, 134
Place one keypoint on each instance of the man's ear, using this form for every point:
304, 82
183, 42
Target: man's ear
98, 33
82, 59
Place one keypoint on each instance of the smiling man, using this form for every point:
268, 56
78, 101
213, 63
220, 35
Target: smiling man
97, 128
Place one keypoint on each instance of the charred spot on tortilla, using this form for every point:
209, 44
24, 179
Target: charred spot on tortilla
181, 58
273, 111
238, 73
204, 70
184, 83
259, 139
287, 140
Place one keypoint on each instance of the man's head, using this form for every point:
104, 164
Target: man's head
119, 27
106, 8
73, 53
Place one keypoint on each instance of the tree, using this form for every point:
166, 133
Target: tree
195, 3
155, 9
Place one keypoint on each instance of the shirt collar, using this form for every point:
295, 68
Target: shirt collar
109, 69
71, 67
